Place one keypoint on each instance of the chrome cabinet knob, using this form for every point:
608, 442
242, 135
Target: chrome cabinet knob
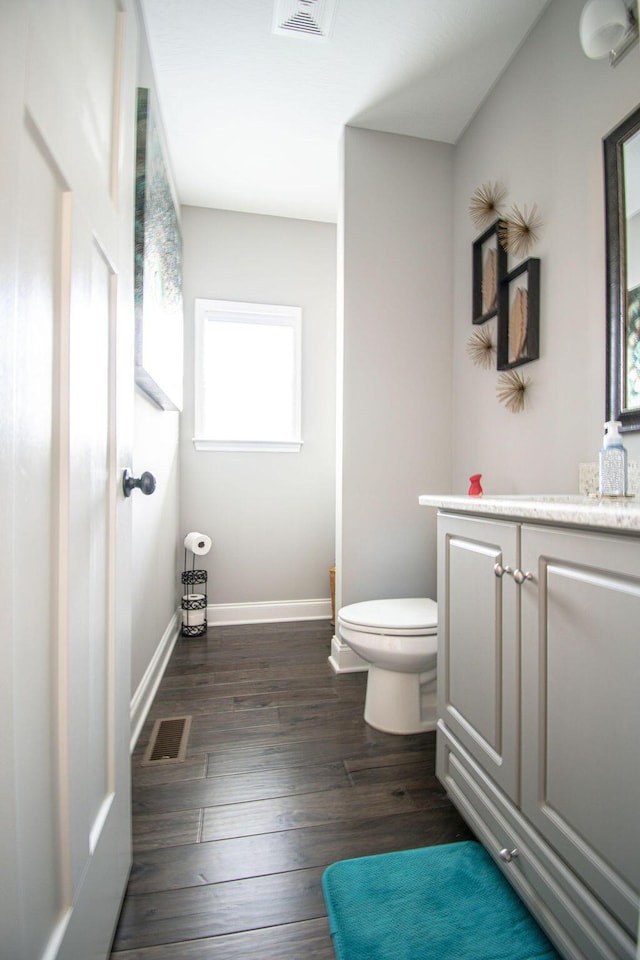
520, 576
508, 855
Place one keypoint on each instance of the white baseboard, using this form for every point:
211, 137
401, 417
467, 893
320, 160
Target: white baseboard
143, 697
343, 659
282, 610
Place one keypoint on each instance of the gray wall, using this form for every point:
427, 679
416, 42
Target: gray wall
270, 515
418, 415
540, 133
395, 337
155, 589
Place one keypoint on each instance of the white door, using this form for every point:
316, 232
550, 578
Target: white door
67, 75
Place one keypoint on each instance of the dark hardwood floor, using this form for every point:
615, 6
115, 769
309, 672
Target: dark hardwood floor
282, 777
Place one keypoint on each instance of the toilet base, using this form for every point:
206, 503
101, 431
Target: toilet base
399, 702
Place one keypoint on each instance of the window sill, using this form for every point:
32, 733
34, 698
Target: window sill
248, 446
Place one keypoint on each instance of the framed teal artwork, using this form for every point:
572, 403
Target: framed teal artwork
158, 268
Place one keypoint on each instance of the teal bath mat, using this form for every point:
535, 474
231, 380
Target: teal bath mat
447, 902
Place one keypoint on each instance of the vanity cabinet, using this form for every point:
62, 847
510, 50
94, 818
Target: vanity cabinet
477, 647
539, 717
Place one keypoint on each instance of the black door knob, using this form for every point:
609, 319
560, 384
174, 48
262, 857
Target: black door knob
146, 483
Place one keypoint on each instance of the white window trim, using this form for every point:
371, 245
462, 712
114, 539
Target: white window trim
289, 316
249, 446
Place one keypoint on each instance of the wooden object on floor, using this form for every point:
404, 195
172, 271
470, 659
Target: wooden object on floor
332, 586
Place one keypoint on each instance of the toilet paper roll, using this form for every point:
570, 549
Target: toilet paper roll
193, 598
193, 617
198, 543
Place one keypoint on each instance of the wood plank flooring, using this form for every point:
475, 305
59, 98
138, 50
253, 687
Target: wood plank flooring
282, 777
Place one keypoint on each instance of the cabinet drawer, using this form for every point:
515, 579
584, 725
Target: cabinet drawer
573, 919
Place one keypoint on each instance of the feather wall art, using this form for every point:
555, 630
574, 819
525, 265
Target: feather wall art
490, 280
518, 320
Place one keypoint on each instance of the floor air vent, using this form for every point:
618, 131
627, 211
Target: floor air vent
168, 743
306, 18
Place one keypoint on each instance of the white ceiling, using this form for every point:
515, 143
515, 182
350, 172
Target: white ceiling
254, 119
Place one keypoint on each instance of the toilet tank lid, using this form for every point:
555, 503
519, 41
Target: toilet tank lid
402, 613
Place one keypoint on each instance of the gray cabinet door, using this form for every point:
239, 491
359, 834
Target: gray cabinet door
581, 706
478, 642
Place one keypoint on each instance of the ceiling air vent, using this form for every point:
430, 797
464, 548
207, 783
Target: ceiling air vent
304, 18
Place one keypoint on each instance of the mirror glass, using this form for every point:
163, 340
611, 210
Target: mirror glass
631, 226
622, 191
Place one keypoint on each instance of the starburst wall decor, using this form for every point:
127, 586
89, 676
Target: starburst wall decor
510, 293
481, 347
518, 230
511, 390
486, 202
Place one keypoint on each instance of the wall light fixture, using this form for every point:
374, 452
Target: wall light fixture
608, 28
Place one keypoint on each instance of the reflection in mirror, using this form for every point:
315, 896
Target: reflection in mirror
631, 162
622, 191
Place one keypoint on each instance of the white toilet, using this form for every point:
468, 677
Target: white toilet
399, 640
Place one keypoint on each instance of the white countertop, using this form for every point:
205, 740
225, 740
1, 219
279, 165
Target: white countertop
613, 514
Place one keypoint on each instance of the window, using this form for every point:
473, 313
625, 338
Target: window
247, 376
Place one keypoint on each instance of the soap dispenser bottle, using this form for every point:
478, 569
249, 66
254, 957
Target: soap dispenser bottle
613, 462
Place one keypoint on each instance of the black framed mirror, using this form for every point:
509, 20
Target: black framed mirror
622, 212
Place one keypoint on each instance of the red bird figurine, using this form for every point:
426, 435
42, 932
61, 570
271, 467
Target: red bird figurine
475, 490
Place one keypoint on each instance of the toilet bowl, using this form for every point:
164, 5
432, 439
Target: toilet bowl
398, 639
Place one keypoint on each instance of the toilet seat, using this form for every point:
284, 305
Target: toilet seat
398, 639
404, 616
